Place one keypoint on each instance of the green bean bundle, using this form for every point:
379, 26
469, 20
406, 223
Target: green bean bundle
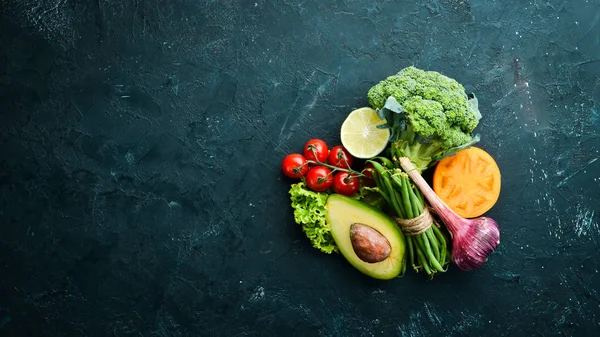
427, 245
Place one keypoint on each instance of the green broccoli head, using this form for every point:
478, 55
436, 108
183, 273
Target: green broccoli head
435, 117
437, 106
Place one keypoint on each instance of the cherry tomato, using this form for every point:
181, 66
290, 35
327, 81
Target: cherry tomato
339, 157
368, 172
316, 149
318, 178
345, 183
294, 165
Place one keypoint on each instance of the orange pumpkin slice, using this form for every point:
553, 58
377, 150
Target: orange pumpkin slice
468, 182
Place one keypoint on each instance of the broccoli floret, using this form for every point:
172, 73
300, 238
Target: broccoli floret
436, 117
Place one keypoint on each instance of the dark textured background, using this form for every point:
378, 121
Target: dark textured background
140, 144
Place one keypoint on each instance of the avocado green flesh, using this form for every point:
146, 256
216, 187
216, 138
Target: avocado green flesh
342, 212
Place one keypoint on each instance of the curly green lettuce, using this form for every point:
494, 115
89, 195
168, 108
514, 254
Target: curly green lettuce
309, 211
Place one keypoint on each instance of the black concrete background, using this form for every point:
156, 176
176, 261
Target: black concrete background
140, 144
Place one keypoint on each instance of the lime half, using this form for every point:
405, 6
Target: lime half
360, 135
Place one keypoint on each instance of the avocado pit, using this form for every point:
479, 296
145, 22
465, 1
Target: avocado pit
369, 244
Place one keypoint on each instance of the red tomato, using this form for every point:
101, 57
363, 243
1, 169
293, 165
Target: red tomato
339, 157
368, 172
345, 183
294, 166
318, 178
316, 149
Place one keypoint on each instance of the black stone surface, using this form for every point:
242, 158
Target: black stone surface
140, 144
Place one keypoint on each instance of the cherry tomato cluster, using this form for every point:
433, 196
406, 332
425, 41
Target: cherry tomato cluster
323, 168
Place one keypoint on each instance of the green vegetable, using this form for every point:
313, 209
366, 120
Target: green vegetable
429, 114
430, 117
309, 211
367, 237
428, 250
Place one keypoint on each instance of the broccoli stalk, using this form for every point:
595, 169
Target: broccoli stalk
430, 117
423, 154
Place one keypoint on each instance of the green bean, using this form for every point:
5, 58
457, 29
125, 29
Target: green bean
393, 195
429, 253
433, 242
398, 184
381, 189
378, 168
397, 205
419, 195
385, 162
407, 204
397, 181
422, 259
442, 240
440, 236
411, 252
445, 249
417, 204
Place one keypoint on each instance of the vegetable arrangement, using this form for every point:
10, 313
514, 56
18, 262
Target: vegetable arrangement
418, 119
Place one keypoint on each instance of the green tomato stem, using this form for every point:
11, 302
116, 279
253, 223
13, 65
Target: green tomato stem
335, 168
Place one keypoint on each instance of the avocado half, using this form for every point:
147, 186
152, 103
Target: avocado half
344, 215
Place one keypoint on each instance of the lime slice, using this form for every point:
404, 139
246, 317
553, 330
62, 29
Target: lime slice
360, 135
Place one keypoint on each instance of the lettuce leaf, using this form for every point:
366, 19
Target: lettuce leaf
309, 211
371, 196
